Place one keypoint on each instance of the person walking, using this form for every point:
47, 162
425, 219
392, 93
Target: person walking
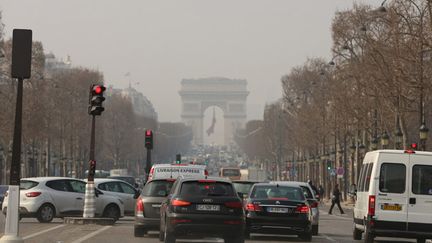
321, 193
336, 199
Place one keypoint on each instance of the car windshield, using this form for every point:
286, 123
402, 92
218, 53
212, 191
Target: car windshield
207, 188
26, 184
242, 187
278, 192
231, 172
157, 188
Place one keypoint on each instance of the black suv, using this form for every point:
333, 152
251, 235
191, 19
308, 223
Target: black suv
200, 208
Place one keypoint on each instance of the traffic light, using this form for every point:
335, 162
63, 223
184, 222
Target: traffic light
149, 139
95, 99
92, 170
178, 158
329, 165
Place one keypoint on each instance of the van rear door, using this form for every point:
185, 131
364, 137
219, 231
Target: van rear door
392, 192
420, 193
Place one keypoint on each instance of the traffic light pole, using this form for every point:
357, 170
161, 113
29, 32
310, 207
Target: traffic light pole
90, 200
148, 162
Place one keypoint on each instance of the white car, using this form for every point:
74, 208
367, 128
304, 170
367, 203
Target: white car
310, 196
48, 197
121, 189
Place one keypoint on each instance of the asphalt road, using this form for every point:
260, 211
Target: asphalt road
333, 228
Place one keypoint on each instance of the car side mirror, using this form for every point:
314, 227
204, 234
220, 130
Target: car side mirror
137, 194
98, 192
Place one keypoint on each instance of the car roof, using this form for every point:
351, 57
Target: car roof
246, 181
178, 165
49, 178
210, 178
297, 183
103, 180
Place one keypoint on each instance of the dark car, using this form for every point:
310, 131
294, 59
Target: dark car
243, 187
3, 189
148, 205
278, 209
207, 207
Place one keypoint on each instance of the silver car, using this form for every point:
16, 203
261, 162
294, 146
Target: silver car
310, 196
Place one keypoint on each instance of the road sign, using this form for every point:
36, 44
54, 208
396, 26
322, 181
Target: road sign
340, 171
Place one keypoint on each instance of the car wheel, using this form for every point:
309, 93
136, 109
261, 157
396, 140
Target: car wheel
168, 237
357, 234
238, 239
421, 240
369, 237
45, 213
315, 229
112, 211
139, 232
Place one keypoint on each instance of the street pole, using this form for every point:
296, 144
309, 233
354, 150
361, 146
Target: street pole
90, 199
15, 169
148, 161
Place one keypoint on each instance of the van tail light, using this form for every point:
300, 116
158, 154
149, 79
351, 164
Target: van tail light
253, 207
33, 194
371, 205
151, 173
302, 209
206, 172
139, 207
314, 205
180, 203
233, 205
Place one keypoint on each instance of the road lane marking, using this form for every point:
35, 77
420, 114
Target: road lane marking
92, 234
328, 238
43, 232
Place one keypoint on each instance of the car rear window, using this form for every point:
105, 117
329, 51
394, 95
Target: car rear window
421, 180
392, 178
207, 188
279, 192
231, 172
243, 187
26, 184
157, 188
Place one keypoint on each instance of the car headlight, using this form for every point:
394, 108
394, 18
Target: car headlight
120, 200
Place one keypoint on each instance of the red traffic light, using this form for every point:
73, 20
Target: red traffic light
414, 145
148, 133
98, 89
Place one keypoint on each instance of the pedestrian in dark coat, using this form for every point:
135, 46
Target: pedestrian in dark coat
336, 199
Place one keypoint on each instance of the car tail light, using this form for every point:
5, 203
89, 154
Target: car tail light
180, 203
371, 205
314, 205
139, 207
302, 209
253, 207
33, 194
233, 205
179, 221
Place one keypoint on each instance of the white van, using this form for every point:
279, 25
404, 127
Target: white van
394, 195
172, 171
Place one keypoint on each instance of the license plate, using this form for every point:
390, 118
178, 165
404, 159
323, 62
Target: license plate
391, 207
277, 210
208, 207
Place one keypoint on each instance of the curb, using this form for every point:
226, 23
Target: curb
83, 221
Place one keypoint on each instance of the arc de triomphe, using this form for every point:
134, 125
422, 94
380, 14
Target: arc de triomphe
227, 94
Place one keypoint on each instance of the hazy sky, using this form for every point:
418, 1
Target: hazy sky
161, 42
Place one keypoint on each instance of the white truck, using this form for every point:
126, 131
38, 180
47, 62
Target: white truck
253, 174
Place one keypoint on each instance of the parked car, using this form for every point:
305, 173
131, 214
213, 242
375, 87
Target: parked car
121, 189
278, 209
128, 179
312, 199
3, 189
394, 196
45, 198
147, 210
202, 207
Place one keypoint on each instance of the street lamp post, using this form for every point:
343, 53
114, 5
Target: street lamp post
385, 140
423, 136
